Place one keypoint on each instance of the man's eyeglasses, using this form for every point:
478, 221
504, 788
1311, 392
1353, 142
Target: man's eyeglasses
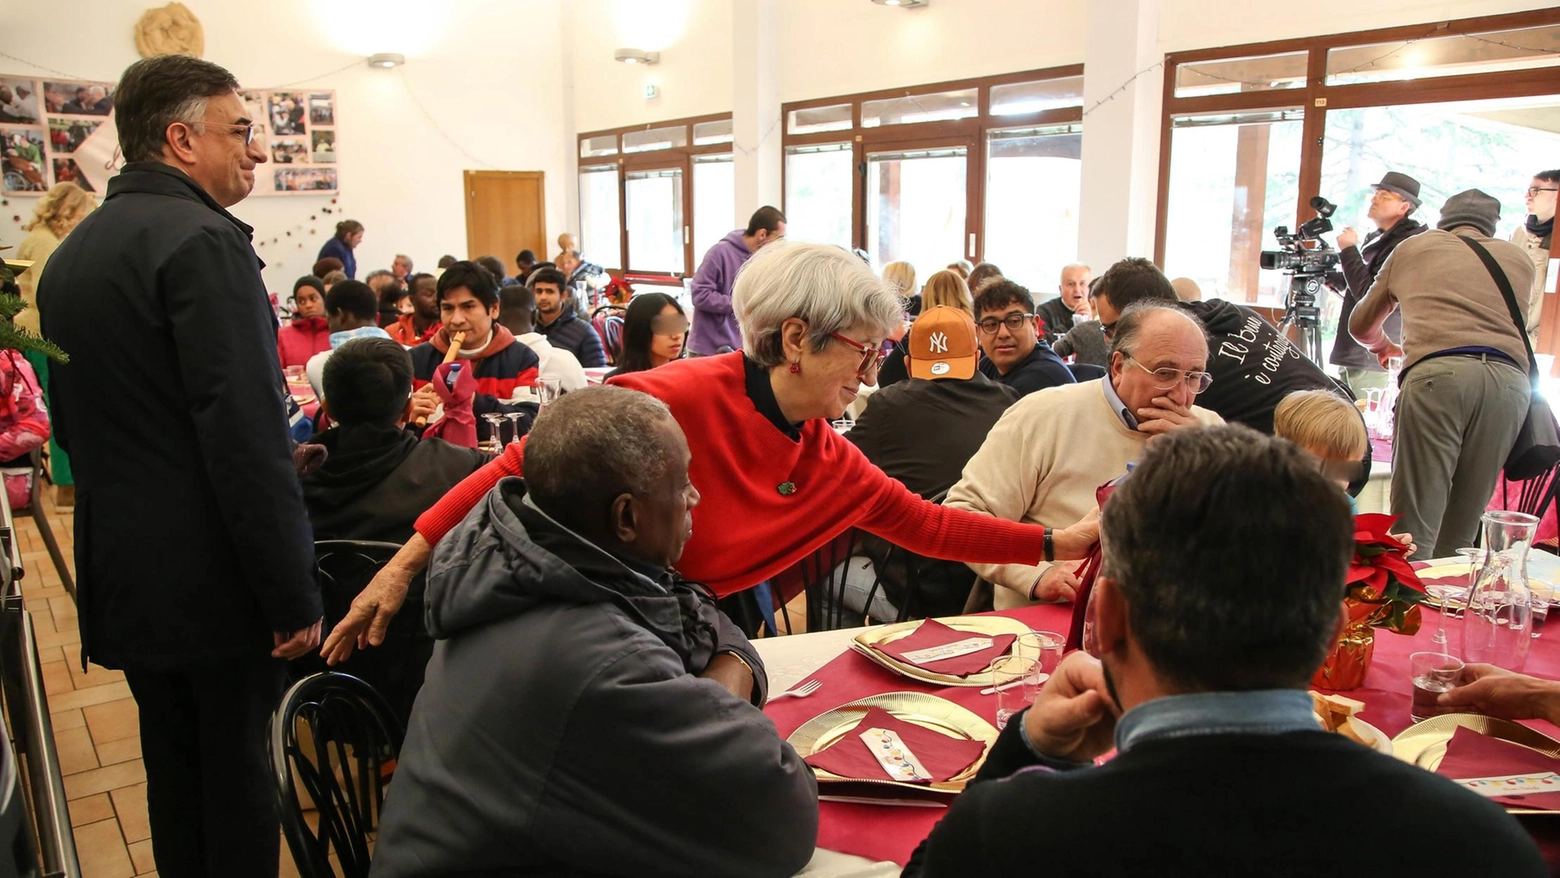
871, 357
1014, 322
248, 130
1166, 378
1534, 190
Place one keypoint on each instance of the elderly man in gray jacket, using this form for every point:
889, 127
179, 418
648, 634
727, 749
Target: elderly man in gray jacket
586, 711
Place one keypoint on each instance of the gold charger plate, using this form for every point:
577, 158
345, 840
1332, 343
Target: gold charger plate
928, 711
989, 626
1439, 571
1424, 743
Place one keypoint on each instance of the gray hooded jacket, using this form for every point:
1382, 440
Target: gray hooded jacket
562, 730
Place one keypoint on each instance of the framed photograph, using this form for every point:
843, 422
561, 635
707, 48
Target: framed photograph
19, 102
305, 179
78, 98
324, 147
287, 112
67, 171
289, 150
23, 154
322, 108
66, 135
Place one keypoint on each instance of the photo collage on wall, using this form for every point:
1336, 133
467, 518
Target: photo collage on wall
301, 135
52, 131
44, 125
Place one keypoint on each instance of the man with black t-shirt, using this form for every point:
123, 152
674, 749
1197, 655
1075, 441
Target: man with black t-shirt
1221, 768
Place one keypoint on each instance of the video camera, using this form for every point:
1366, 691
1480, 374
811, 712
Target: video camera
1295, 256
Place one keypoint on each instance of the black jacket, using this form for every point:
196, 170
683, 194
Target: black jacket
1041, 369
192, 541
1058, 319
564, 729
1360, 265
1231, 804
576, 336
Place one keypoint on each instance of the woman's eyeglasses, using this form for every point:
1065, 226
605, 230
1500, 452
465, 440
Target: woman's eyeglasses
871, 357
1166, 378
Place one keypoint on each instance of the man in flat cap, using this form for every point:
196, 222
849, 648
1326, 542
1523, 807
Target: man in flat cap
1463, 391
1396, 197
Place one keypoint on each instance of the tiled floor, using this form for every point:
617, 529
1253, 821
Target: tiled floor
96, 724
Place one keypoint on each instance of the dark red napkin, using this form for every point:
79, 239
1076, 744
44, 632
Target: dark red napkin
1470, 755
934, 633
941, 755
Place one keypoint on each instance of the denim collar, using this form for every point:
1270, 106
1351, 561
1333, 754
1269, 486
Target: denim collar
1260, 712
337, 339
1117, 406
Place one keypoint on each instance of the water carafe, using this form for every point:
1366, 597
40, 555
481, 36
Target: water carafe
1497, 623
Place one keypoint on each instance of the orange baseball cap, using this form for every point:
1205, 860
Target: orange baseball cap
942, 344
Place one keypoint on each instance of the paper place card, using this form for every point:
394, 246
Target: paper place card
947, 650
1513, 784
894, 756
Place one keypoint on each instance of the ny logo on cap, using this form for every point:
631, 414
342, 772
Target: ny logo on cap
939, 342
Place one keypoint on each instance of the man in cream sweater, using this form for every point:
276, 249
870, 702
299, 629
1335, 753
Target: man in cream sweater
1044, 459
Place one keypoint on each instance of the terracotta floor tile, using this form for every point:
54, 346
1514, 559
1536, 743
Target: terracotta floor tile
52, 654
56, 679
94, 675
33, 589
68, 637
101, 780
102, 852
67, 719
88, 697
91, 809
141, 857
113, 721
75, 750
62, 608
130, 807
119, 751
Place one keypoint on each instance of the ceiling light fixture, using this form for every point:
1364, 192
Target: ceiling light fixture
636, 56
904, 4
386, 60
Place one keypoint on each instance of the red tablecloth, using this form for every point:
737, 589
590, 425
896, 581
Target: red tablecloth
891, 833
1381, 450
301, 392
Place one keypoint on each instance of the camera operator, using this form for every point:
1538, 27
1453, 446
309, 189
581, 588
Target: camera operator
1463, 391
1397, 196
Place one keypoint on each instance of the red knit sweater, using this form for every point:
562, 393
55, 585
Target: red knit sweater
744, 529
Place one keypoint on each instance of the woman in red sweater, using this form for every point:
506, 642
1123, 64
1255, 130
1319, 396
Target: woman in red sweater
777, 481
308, 333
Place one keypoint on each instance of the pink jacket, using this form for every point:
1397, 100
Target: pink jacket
301, 339
24, 421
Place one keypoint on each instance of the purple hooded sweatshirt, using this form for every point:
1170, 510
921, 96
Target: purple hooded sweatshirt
714, 326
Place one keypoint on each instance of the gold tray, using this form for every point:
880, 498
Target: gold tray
927, 711
989, 626
1424, 743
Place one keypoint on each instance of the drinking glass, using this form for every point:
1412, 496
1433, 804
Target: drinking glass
1475, 558
1446, 594
514, 426
1046, 646
1431, 673
495, 422
1022, 670
547, 390
1543, 595
295, 374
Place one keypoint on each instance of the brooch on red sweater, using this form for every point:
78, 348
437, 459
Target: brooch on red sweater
786, 489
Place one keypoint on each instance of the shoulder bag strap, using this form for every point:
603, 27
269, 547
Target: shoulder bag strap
1501, 281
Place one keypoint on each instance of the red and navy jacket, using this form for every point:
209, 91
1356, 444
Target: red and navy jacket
504, 365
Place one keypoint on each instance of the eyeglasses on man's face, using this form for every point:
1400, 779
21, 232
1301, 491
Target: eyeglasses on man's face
247, 130
1166, 378
871, 357
1014, 322
1534, 190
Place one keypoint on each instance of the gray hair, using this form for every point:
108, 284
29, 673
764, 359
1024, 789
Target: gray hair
156, 92
1072, 265
1130, 324
592, 445
825, 286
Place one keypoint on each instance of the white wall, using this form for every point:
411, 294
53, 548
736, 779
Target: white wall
400, 176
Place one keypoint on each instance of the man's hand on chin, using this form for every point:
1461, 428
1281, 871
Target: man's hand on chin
1073, 718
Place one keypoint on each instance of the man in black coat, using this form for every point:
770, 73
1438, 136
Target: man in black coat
557, 319
194, 556
1206, 649
1396, 196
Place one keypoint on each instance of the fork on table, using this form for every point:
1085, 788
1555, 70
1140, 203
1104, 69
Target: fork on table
801, 691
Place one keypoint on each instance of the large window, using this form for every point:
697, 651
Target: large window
974, 169
714, 202
655, 219
600, 236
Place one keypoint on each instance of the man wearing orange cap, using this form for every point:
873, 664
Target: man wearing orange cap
922, 432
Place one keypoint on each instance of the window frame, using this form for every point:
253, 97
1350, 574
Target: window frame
1318, 98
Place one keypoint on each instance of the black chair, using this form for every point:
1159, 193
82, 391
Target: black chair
823, 581
922, 581
1535, 497
35, 511
342, 741
394, 668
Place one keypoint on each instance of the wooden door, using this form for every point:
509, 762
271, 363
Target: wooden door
506, 212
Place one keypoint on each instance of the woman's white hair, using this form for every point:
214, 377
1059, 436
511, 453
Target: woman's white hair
829, 288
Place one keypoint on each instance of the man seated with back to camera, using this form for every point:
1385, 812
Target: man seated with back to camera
366, 478
922, 431
587, 710
1224, 559
351, 312
503, 366
1010, 337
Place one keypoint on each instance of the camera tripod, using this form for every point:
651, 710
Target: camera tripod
1303, 315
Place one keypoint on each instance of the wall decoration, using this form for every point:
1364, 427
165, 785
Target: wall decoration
63, 129
171, 30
